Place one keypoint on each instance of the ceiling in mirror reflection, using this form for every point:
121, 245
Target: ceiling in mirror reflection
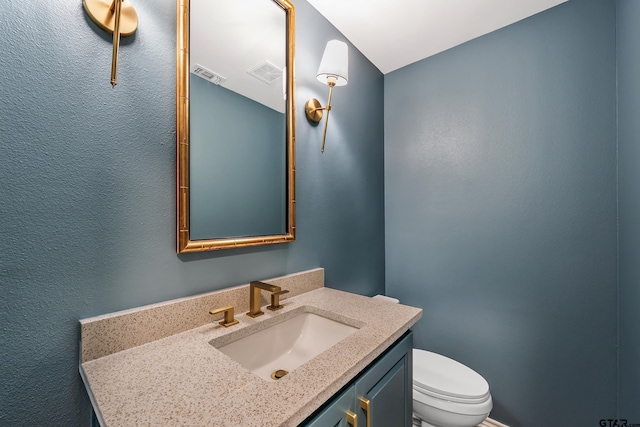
232, 38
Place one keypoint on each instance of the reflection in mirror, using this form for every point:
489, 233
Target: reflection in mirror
235, 124
237, 173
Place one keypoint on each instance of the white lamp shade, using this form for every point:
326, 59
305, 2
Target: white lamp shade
334, 64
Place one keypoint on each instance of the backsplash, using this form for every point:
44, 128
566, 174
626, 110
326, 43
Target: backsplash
110, 333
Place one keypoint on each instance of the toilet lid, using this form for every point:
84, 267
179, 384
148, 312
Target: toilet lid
439, 374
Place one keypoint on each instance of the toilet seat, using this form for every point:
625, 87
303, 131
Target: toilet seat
443, 378
444, 397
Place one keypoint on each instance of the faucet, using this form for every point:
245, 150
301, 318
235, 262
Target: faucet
228, 315
275, 300
254, 297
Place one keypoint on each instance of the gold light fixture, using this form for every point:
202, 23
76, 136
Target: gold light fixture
333, 71
117, 17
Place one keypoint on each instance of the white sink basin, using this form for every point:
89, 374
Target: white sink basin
287, 345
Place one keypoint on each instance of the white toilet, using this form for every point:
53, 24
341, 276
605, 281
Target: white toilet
446, 393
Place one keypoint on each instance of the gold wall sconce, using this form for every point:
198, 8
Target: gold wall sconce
333, 71
117, 17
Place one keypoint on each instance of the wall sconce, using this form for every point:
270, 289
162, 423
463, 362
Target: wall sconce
333, 71
117, 17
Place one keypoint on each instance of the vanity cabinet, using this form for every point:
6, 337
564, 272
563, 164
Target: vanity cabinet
380, 396
336, 413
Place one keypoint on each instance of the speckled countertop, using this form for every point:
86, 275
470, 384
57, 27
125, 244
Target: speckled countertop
182, 380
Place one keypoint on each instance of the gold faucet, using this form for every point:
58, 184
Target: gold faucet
275, 300
254, 297
228, 315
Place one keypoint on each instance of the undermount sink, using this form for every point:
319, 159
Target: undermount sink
271, 353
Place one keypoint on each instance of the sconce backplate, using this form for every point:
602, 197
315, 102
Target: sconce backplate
101, 12
313, 108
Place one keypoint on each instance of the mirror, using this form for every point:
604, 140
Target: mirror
235, 124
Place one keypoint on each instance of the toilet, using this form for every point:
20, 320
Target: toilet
446, 393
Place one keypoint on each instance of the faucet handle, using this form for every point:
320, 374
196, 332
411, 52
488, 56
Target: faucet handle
228, 315
275, 300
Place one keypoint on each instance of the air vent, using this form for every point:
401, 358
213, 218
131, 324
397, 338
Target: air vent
207, 74
266, 72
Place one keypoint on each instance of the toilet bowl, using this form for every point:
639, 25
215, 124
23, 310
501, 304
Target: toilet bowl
446, 393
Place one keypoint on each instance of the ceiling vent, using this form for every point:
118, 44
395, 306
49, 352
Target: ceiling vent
266, 72
207, 74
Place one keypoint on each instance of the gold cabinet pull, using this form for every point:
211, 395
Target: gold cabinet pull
352, 419
365, 405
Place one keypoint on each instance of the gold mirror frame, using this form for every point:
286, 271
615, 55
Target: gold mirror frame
184, 244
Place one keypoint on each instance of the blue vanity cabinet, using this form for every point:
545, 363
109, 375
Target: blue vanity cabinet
384, 391
338, 413
380, 396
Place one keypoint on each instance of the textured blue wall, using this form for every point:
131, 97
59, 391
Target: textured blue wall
234, 139
87, 190
629, 207
500, 187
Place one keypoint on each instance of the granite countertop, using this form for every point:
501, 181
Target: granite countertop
182, 380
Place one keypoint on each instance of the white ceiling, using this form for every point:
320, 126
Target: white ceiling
231, 37
392, 34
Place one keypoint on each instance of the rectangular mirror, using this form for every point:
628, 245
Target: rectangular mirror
235, 124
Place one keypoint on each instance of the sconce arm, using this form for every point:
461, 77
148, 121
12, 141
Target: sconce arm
114, 16
326, 121
314, 110
116, 41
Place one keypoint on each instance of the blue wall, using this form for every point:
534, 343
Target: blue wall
629, 207
87, 190
500, 187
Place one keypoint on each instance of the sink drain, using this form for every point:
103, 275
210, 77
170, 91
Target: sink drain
276, 375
